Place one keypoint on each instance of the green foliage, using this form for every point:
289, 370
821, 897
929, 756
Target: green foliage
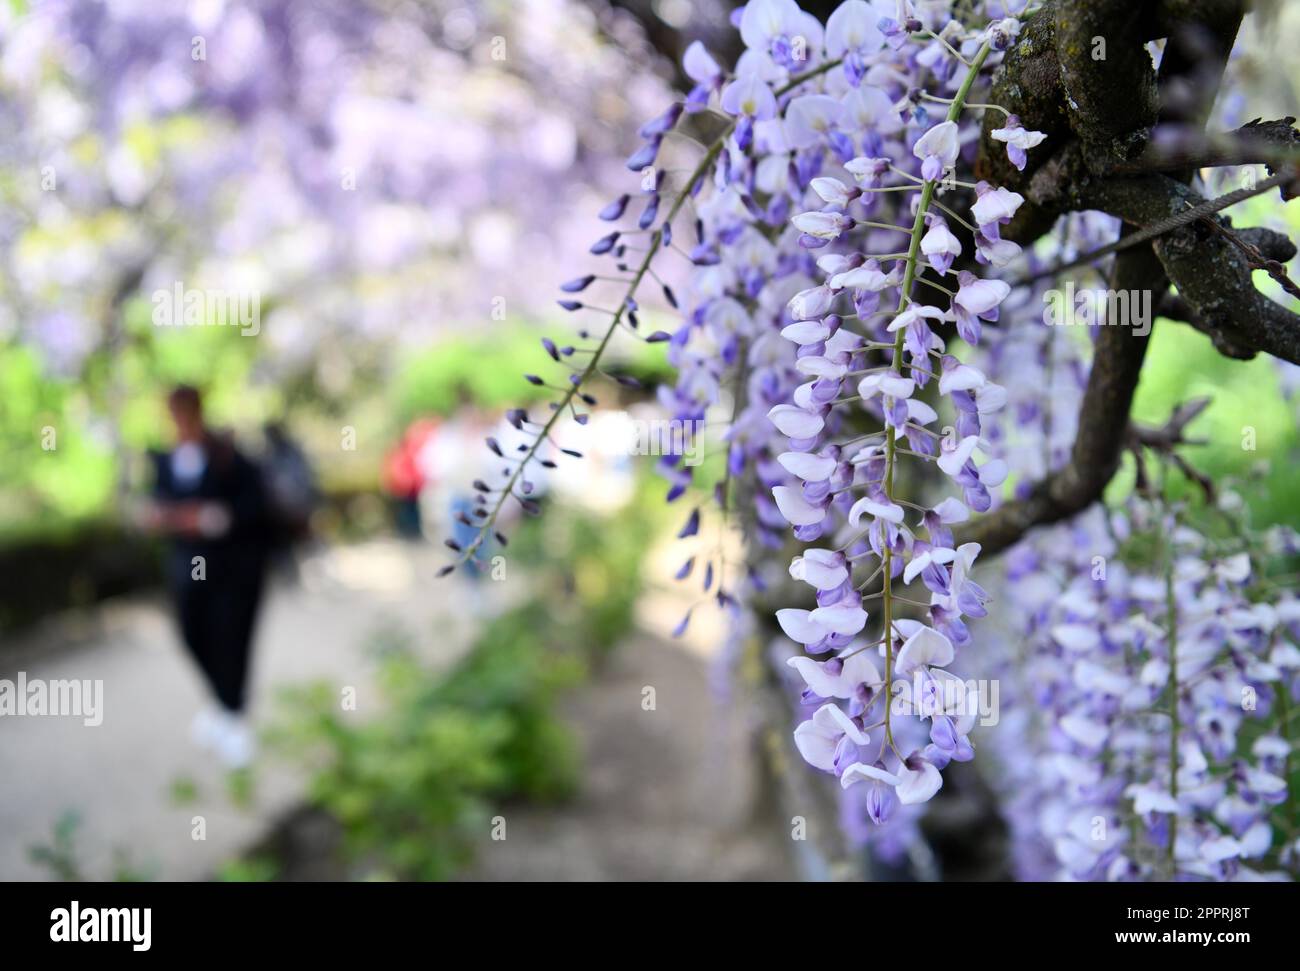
589, 567
1182, 364
251, 870
241, 788
183, 791
414, 786
59, 856
487, 369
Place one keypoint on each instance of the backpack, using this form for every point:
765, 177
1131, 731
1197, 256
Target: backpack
291, 492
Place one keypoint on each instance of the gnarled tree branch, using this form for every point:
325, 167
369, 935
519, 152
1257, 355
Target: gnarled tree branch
1108, 116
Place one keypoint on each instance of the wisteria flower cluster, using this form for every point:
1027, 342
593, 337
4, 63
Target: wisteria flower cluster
866, 343
1147, 661
841, 276
823, 214
1153, 700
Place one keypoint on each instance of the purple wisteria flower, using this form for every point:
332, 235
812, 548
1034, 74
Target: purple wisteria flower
1018, 140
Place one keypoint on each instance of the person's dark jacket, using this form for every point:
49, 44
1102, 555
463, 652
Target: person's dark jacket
231, 479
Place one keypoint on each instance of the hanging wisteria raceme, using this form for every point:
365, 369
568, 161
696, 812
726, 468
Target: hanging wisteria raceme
838, 119
652, 238
849, 483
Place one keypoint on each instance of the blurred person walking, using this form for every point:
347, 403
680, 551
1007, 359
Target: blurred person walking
209, 501
292, 497
403, 478
449, 463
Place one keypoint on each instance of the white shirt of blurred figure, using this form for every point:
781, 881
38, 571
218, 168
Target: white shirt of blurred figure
457, 454
602, 480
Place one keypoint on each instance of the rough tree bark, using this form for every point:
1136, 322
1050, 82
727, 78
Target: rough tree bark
1099, 116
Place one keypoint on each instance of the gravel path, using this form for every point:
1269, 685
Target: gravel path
667, 794
136, 781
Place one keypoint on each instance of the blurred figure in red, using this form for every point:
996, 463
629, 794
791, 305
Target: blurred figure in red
404, 478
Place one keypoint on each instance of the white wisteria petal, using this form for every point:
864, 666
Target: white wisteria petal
1264, 783
920, 562
858, 669
996, 205
834, 719
810, 118
927, 647
1220, 848
918, 785
1090, 676
865, 277
795, 422
815, 677
1088, 733
821, 367
861, 772
1018, 136
1257, 840
764, 20
994, 473
749, 95
817, 744
699, 64
982, 295
1147, 798
823, 225
797, 510
831, 190
866, 453
952, 510
919, 412
891, 512
852, 27
990, 397
847, 619
1234, 569
868, 172
811, 303
1285, 656
999, 252
897, 386
962, 377
941, 141
913, 314
806, 332
1080, 638
951, 462
806, 466
799, 627
842, 342
823, 569
940, 240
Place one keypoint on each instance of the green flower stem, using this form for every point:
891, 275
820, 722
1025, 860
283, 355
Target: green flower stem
656, 238
909, 275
